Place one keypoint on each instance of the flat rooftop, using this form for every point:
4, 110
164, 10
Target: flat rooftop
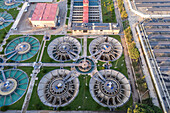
157, 31
44, 12
93, 26
153, 6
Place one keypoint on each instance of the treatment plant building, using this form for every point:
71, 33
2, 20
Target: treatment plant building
44, 15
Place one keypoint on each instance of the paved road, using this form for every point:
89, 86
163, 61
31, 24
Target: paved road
133, 21
43, 64
16, 64
135, 95
29, 93
42, 51
85, 46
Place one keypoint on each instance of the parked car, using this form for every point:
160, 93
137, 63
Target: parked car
26, 9
58, 22
53, 28
28, 4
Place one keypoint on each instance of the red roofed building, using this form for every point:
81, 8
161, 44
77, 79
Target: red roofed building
45, 15
85, 11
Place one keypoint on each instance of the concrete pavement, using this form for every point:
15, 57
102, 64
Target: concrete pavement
127, 59
85, 46
42, 51
43, 64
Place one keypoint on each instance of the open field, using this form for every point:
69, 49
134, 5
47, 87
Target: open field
108, 12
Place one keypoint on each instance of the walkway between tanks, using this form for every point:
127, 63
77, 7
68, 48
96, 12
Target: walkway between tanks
43, 64
46, 111
85, 46
42, 51
29, 91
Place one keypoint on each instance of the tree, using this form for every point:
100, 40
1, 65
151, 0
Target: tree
124, 15
148, 102
132, 45
129, 110
134, 54
143, 108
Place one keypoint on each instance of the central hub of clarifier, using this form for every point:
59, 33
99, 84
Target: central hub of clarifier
87, 65
8, 86
23, 47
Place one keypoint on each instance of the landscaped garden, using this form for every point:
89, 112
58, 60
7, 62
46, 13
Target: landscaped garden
108, 12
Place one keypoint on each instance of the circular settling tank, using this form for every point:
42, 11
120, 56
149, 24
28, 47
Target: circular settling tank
13, 84
105, 49
110, 88
58, 88
5, 19
64, 49
8, 4
22, 48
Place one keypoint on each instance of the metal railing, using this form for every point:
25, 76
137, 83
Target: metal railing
154, 69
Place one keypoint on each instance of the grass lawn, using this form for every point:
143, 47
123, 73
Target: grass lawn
125, 24
66, 21
69, 32
88, 43
118, 65
68, 3
3, 32
86, 104
108, 12
81, 42
46, 57
68, 12
116, 37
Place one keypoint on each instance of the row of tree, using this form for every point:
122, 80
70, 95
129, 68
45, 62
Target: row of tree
143, 108
124, 15
133, 51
